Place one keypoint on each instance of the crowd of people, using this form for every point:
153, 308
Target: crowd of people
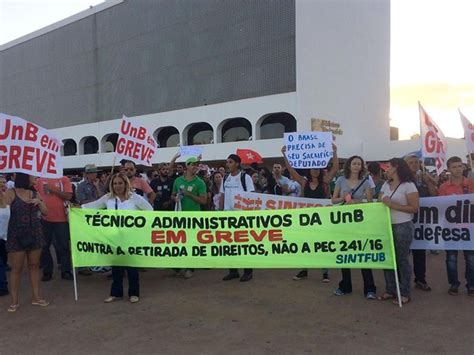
34, 213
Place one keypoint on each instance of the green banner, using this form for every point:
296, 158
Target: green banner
353, 236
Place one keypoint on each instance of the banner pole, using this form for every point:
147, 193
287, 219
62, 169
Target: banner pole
113, 166
394, 257
75, 283
399, 295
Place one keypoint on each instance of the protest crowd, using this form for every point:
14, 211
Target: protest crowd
34, 214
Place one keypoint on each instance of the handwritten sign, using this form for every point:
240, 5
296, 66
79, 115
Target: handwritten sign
135, 143
190, 151
308, 150
28, 148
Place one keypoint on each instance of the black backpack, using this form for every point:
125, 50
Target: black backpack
242, 180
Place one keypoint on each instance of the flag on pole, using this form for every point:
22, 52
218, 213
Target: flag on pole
249, 156
468, 133
135, 143
433, 141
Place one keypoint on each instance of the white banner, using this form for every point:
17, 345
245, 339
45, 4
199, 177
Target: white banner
28, 148
308, 150
468, 133
255, 201
433, 141
135, 143
445, 223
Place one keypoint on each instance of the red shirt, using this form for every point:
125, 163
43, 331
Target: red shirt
141, 184
448, 188
55, 205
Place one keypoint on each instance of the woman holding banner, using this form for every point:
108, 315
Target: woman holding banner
121, 197
400, 194
314, 185
25, 237
354, 187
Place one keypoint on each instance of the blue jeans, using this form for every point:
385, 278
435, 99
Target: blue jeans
402, 236
452, 268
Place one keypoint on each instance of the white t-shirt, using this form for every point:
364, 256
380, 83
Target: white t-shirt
10, 184
4, 218
135, 202
399, 197
231, 186
295, 187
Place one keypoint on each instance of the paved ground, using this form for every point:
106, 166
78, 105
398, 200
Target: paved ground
271, 314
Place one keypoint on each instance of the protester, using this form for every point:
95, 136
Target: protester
162, 184
102, 186
222, 170
55, 193
426, 187
294, 188
376, 174
314, 185
189, 194
121, 197
354, 187
11, 182
4, 218
140, 186
88, 191
235, 181
458, 185
256, 182
400, 194
283, 182
25, 237
214, 195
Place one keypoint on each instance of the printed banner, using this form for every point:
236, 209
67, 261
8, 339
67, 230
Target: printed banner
135, 143
248, 201
28, 148
308, 150
468, 133
333, 237
433, 141
445, 223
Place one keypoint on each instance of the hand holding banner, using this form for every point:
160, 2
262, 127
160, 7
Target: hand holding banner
28, 148
308, 150
433, 141
135, 143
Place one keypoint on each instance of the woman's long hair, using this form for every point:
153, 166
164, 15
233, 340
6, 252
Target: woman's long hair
126, 181
214, 188
403, 171
22, 181
347, 167
309, 178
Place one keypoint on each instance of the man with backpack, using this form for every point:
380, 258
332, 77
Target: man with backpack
235, 181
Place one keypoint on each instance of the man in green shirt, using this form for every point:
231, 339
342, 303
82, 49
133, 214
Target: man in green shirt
189, 193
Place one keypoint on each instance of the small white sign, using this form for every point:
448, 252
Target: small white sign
190, 151
308, 150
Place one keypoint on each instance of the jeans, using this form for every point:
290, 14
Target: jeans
452, 268
58, 234
346, 283
419, 265
403, 236
3, 276
117, 284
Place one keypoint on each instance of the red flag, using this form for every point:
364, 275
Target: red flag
249, 156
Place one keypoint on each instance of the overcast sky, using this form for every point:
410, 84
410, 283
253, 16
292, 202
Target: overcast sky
432, 55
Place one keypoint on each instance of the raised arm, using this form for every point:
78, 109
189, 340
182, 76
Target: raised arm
172, 164
293, 174
335, 166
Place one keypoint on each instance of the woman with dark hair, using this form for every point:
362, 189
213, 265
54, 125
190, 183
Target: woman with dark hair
122, 197
214, 195
400, 194
256, 181
314, 185
354, 187
25, 236
269, 184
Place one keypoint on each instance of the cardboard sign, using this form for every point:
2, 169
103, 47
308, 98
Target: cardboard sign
135, 143
308, 150
28, 148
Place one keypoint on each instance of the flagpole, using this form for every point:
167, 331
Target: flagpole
421, 131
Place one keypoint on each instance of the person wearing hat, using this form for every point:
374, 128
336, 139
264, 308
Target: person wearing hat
235, 181
189, 194
88, 191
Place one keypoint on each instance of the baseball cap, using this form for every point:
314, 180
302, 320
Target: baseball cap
192, 160
90, 168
